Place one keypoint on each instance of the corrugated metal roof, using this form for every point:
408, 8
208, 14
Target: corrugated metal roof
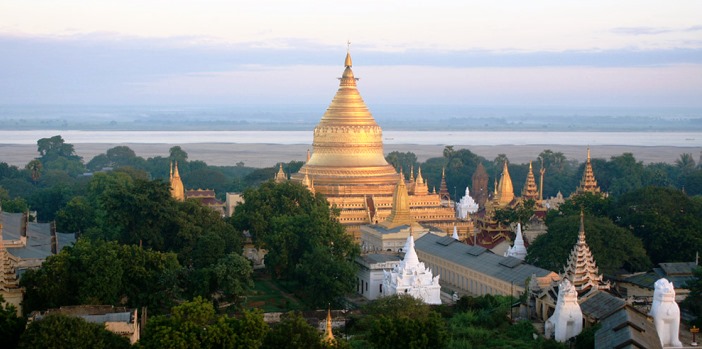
38, 237
627, 328
600, 305
478, 259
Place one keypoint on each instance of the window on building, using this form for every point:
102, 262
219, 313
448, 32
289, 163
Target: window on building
381, 288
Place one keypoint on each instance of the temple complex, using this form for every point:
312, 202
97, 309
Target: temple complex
588, 184
348, 167
494, 235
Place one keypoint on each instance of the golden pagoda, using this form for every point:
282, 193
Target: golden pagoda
400, 213
347, 165
588, 184
177, 188
504, 193
530, 191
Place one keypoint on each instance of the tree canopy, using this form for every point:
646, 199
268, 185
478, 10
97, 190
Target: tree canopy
56, 331
666, 220
303, 237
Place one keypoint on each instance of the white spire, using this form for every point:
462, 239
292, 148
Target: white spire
455, 232
518, 250
411, 260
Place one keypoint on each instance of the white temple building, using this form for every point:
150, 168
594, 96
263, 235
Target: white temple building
466, 205
518, 250
413, 278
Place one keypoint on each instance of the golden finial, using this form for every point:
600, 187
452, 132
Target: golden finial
588, 154
347, 62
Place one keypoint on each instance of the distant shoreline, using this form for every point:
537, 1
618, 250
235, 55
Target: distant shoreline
267, 155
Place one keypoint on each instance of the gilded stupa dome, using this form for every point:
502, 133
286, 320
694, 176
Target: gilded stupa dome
348, 146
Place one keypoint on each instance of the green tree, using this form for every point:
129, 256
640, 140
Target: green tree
34, 167
63, 331
685, 162
58, 155
76, 217
405, 161
298, 229
404, 322
613, 247
518, 214
97, 272
195, 324
16, 205
11, 325
665, 219
293, 332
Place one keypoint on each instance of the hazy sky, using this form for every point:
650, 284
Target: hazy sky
484, 53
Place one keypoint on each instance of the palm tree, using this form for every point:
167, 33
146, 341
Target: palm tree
685, 163
34, 167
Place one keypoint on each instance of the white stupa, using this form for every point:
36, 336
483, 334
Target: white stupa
466, 205
517, 250
413, 278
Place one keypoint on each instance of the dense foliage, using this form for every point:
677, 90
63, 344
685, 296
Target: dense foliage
306, 244
58, 331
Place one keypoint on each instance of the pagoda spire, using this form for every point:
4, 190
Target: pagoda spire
582, 269
328, 335
177, 188
588, 184
443, 189
400, 214
307, 182
518, 250
505, 190
530, 191
420, 186
281, 177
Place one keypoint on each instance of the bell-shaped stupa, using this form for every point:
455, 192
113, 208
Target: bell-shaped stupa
348, 146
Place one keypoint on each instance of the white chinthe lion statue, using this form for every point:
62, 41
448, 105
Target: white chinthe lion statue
666, 313
567, 319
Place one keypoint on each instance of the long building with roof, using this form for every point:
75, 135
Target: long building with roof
474, 270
